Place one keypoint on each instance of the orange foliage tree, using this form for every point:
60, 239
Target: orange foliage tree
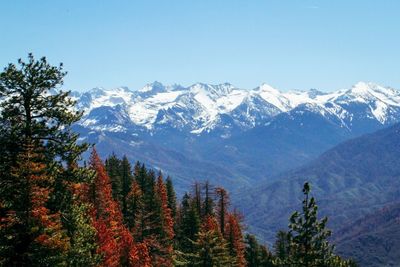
234, 237
115, 242
31, 225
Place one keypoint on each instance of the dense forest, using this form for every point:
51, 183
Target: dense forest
58, 210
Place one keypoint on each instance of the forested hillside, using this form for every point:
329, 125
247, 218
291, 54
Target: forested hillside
58, 211
377, 232
354, 179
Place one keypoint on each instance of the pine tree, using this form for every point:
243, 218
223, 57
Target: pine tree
197, 199
34, 112
222, 207
266, 257
189, 224
115, 242
141, 256
151, 204
282, 245
257, 255
210, 247
252, 251
308, 235
171, 196
33, 234
167, 226
120, 174
308, 239
113, 167
135, 210
208, 205
234, 237
126, 182
35, 119
83, 237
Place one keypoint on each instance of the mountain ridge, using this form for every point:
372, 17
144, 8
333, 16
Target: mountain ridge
247, 136
208, 103
349, 181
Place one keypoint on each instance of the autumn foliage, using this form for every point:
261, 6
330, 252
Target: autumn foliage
55, 211
115, 241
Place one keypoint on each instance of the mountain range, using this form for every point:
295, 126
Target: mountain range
262, 145
356, 184
231, 136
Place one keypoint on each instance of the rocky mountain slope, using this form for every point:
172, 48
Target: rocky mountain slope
231, 136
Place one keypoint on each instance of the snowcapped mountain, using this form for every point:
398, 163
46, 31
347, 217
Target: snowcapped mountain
221, 132
200, 108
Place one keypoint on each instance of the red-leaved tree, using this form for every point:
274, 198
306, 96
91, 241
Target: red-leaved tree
115, 242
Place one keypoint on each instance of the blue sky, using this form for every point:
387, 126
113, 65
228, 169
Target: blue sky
290, 44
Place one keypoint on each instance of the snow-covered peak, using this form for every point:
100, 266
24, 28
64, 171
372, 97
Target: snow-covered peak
267, 88
201, 105
98, 97
211, 89
152, 87
362, 87
97, 91
274, 97
363, 92
314, 93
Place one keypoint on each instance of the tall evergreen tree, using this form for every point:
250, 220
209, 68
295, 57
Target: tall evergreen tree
171, 196
222, 207
83, 237
257, 255
189, 224
115, 242
35, 119
234, 237
208, 205
32, 234
197, 199
113, 167
282, 245
308, 235
252, 251
308, 238
135, 210
126, 182
210, 247
165, 238
35, 112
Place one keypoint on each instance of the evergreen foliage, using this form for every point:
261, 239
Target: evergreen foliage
256, 254
171, 196
37, 144
282, 245
54, 212
188, 224
306, 243
210, 247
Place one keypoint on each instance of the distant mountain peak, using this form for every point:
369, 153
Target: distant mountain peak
152, 87
200, 107
363, 87
218, 89
268, 88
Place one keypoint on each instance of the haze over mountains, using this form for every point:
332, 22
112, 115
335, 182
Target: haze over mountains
349, 180
263, 144
356, 184
231, 136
